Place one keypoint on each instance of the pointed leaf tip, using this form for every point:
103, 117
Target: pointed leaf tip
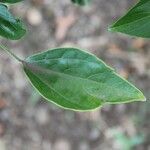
136, 22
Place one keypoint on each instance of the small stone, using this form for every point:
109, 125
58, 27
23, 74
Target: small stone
95, 133
42, 116
62, 144
46, 145
84, 146
34, 16
2, 145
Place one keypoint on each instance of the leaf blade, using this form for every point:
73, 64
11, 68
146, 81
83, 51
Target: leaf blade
72, 83
11, 1
10, 27
136, 22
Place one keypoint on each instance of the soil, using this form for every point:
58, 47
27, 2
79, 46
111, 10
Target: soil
28, 122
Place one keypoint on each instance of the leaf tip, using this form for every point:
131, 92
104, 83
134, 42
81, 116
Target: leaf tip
141, 97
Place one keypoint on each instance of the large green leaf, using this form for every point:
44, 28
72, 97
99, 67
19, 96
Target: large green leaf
81, 2
10, 27
136, 22
77, 80
10, 1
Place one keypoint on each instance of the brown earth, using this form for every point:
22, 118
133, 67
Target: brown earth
27, 122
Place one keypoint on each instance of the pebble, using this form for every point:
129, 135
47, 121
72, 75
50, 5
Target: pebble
62, 144
34, 16
84, 146
42, 116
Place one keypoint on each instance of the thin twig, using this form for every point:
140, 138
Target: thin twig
11, 53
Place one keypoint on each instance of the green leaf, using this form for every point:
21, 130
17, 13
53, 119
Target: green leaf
77, 80
10, 27
81, 2
136, 22
10, 1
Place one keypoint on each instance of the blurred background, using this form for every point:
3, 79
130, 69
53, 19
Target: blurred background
27, 122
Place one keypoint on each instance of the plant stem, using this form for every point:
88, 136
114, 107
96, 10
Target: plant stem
10, 53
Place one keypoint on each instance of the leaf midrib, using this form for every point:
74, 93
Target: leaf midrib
134, 21
33, 66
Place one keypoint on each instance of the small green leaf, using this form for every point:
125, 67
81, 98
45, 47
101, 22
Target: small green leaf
10, 27
77, 80
10, 1
81, 2
136, 22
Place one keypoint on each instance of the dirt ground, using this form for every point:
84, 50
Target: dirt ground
28, 122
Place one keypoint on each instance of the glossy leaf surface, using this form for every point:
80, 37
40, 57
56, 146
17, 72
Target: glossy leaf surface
81, 2
10, 1
10, 27
77, 80
136, 22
